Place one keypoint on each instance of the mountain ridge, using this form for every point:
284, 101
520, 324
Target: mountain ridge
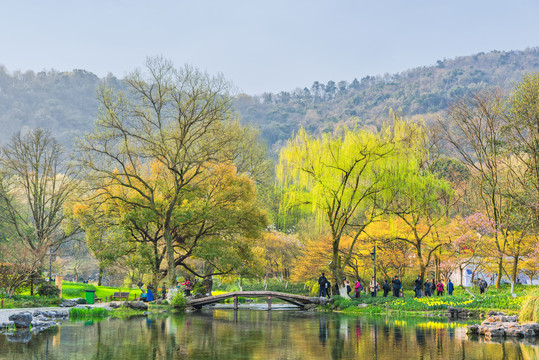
65, 102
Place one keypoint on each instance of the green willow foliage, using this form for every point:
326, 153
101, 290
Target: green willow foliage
350, 178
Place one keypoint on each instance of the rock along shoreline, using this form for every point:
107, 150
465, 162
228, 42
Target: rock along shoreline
499, 325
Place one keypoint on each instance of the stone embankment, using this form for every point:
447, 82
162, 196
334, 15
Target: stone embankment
500, 325
20, 326
460, 313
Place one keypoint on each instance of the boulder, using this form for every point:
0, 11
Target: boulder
114, 305
472, 329
22, 319
136, 305
68, 303
310, 306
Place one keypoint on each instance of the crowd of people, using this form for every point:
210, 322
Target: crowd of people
396, 287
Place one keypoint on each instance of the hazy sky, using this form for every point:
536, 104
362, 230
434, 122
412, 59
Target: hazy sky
260, 45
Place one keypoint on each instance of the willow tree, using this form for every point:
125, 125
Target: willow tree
176, 117
349, 179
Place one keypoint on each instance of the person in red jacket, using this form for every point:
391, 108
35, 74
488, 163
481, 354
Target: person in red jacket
188, 287
358, 289
439, 288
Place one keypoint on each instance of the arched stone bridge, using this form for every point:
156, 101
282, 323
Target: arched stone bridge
298, 300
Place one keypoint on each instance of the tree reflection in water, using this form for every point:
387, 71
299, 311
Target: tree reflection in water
225, 334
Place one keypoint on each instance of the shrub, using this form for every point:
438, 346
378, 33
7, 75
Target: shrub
48, 289
199, 289
179, 301
530, 308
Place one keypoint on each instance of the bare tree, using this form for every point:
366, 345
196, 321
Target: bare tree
474, 129
36, 181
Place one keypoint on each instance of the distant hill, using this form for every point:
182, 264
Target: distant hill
423, 91
65, 102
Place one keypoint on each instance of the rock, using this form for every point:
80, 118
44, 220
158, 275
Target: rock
362, 306
69, 303
43, 324
472, 329
22, 319
136, 305
310, 306
495, 331
114, 305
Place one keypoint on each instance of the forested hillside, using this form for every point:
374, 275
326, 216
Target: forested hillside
421, 91
65, 102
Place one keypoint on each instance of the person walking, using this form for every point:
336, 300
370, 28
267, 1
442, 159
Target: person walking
322, 280
439, 288
450, 287
386, 288
482, 286
164, 292
428, 288
373, 287
188, 287
358, 289
396, 286
149, 293
328, 289
347, 286
417, 287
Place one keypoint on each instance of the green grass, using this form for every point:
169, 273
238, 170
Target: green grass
530, 307
27, 301
494, 299
72, 290
77, 313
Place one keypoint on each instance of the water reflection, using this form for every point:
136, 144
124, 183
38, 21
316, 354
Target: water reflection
225, 334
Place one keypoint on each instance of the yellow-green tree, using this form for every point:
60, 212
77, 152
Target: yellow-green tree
347, 178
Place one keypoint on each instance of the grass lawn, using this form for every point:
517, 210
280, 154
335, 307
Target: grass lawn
72, 290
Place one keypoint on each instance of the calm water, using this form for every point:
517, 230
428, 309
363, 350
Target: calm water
223, 334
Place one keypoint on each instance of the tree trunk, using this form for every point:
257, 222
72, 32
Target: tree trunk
170, 258
500, 269
100, 276
515, 268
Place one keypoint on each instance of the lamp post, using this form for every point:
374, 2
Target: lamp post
373, 257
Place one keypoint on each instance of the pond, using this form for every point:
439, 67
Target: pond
245, 334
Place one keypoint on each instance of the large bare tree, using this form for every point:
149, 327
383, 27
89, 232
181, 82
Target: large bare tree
36, 181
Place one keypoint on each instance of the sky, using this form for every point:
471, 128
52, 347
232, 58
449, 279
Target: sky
260, 45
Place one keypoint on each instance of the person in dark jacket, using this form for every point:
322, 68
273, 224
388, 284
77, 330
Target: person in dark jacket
328, 289
450, 287
417, 287
428, 288
322, 280
386, 287
396, 286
